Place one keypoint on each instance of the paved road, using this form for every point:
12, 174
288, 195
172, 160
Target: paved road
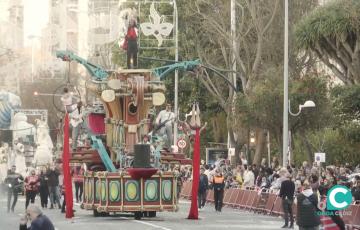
228, 219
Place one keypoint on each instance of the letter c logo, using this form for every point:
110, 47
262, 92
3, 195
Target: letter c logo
339, 197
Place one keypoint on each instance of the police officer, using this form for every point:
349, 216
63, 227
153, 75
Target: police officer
13, 180
218, 185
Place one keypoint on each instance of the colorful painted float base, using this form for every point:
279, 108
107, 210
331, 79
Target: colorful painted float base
118, 192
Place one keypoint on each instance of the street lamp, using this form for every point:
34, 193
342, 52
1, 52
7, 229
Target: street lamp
307, 104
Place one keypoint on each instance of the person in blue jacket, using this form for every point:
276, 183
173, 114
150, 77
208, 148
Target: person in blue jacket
38, 220
203, 187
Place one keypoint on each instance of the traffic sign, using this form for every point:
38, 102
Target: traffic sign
181, 143
320, 157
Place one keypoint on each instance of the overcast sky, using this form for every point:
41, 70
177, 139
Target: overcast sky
36, 15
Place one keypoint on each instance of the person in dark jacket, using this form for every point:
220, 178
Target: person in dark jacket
38, 220
287, 190
78, 178
203, 186
218, 185
355, 191
307, 203
44, 190
53, 183
13, 181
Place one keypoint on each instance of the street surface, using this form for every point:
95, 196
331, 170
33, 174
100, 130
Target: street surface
229, 218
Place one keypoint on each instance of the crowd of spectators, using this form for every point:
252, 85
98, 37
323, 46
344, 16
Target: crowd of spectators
269, 178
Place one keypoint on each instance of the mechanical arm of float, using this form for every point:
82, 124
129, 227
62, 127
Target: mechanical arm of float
163, 71
98, 74
95, 71
185, 65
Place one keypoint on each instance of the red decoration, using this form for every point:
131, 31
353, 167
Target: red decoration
194, 213
137, 173
66, 170
96, 123
124, 45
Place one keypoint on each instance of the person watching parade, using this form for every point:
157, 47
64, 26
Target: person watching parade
78, 179
38, 220
53, 183
203, 186
32, 183
13, 180
287, 190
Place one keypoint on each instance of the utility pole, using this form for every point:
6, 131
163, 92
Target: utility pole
286, 86
233, 57
176, 100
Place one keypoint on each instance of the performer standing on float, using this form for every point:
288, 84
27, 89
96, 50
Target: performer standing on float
164, 122
131, 44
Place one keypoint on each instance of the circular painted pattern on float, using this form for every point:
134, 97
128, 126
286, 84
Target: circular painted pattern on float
103, 191
114, 188
90, 189
151, 190
86, 189
131, 188
97, 194
166, 190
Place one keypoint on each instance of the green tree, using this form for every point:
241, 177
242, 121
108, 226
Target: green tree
332, 33
340, 138
261, 108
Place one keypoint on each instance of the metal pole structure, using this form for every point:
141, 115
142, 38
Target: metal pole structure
233, 36
289, 147
268, 148
32, 60
176, 72
286, 89
233, 60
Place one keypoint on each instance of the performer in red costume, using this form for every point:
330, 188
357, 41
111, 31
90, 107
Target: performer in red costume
132, 47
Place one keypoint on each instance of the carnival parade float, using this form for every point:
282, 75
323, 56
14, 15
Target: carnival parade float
121, 176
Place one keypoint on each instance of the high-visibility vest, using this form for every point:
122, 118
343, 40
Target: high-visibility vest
218, 179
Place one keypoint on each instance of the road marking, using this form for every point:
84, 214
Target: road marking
152, 225
146, 223
184, 202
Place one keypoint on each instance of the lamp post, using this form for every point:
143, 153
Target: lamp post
307, 104
176, 103
286, 89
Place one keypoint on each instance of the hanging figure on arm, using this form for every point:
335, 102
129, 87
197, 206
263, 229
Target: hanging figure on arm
76, 123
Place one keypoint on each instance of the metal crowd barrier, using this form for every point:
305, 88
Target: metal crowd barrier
265, 202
